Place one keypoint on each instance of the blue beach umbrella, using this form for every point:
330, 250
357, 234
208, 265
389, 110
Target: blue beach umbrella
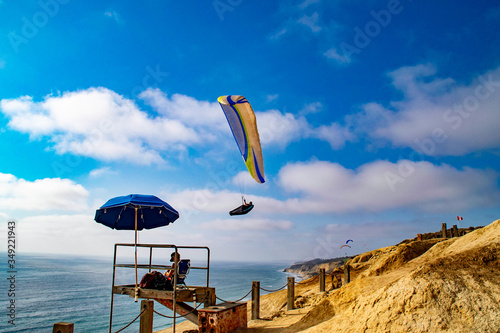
122, 213
136, 212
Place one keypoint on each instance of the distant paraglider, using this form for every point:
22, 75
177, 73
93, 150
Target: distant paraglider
345, 246
349, 240
243, 124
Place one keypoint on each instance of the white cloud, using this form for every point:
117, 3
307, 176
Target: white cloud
311, 108
41, 194
437, 116
334, 134
212, 198
188, 110
101, 124
247, 224
381, 185
324, 187
244, 180
68, 234
101, 172
276, 128
271, 98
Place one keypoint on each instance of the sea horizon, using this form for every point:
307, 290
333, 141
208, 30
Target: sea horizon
52, 288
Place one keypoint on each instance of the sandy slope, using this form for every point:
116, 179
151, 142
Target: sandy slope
429, 286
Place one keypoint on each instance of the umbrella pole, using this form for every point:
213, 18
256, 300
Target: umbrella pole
136, 289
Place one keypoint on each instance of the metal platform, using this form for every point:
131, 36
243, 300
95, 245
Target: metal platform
189, 294
175, 299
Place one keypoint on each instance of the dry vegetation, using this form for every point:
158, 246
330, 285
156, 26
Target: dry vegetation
433, 285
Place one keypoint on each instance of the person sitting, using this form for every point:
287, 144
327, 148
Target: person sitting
174, 258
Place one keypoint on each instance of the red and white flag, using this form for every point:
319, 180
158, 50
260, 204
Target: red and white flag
459, 218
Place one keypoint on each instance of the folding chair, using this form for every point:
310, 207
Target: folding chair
183, 268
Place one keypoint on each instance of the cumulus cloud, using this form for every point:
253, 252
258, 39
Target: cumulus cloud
188, 110
41, 194
213, 198
437, 116
247, 224
279, 129
335, 134
329, 187
101, 124
314, 107
325, 187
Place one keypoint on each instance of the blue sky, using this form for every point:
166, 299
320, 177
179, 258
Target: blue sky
378, 120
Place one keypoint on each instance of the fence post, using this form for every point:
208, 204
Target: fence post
255, 299
443, 230
321, 280
147, 316
419, 237
347, 273
290, 300
63, 328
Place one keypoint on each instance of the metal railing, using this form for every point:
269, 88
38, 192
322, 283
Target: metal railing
151, 266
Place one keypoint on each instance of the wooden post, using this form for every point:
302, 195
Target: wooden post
455, 231
290, 299
147, 316
347, 273
255, 299
419, 237
321, 280
63, 328
443, 230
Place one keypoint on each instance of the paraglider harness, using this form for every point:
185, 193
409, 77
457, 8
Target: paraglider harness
243, 209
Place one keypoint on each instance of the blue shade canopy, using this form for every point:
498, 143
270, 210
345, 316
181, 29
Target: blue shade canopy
119, 213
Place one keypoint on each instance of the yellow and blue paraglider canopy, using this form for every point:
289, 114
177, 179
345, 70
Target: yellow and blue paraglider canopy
243, 123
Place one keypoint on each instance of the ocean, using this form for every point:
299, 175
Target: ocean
49, 289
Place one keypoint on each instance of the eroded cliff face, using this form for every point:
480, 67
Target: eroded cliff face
433, 285
310, 268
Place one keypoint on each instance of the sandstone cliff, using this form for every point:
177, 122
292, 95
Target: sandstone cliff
433, 285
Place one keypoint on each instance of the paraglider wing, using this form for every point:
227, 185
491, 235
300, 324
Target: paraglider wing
349, 240
345, 245
243, 123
